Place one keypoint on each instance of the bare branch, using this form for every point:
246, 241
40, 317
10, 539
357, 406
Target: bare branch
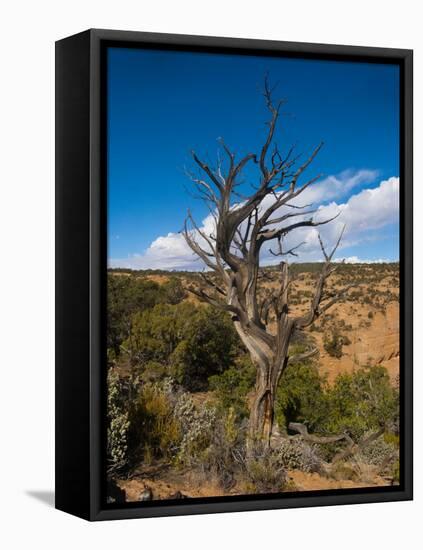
353, 448
205, 190
328, 257
306, 164
269, 234
316, 307
211, 283
205, 167
231, 156
274, 110
288, 216
336, 298
240, 165
215, 302
290, 252
203, 254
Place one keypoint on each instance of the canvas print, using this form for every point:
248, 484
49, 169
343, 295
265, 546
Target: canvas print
253, 275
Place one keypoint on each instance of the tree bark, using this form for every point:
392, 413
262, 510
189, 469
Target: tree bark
269, 372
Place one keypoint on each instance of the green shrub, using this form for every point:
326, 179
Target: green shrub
198, 425
361, 401
173, 291
193, 342
296, 454
153, 371
155, 432
128, 294
125, 296
332, 342
266, 472
117, 425
209, 346
225, 455
357, 403
233, 385
156, 332
380, 453
301, 396
392, 438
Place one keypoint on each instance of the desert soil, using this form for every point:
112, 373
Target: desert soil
165, 484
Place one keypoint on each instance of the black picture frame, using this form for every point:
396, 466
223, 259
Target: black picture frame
81, 270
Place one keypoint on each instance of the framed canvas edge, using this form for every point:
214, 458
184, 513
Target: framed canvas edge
72, 257
97, 224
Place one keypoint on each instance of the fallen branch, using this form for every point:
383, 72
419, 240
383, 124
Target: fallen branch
354, 448
303, 431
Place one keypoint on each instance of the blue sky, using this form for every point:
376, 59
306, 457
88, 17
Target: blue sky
162, 104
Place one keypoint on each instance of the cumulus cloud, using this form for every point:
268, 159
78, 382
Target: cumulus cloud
363, 214
336, 187
167, 252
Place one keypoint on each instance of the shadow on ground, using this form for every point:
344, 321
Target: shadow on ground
46, 497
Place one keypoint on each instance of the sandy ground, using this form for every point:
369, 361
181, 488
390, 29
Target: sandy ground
172, 484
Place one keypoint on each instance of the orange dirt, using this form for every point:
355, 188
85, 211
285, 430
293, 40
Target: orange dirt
314, 482
160, 279
165, 483
373, 332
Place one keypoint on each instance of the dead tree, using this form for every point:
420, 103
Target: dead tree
243, 226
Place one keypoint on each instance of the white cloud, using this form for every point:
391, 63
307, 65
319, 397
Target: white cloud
167, 252
336, 187
363, 215
357, 260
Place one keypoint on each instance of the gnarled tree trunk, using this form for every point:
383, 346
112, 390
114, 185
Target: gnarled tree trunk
269, 367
